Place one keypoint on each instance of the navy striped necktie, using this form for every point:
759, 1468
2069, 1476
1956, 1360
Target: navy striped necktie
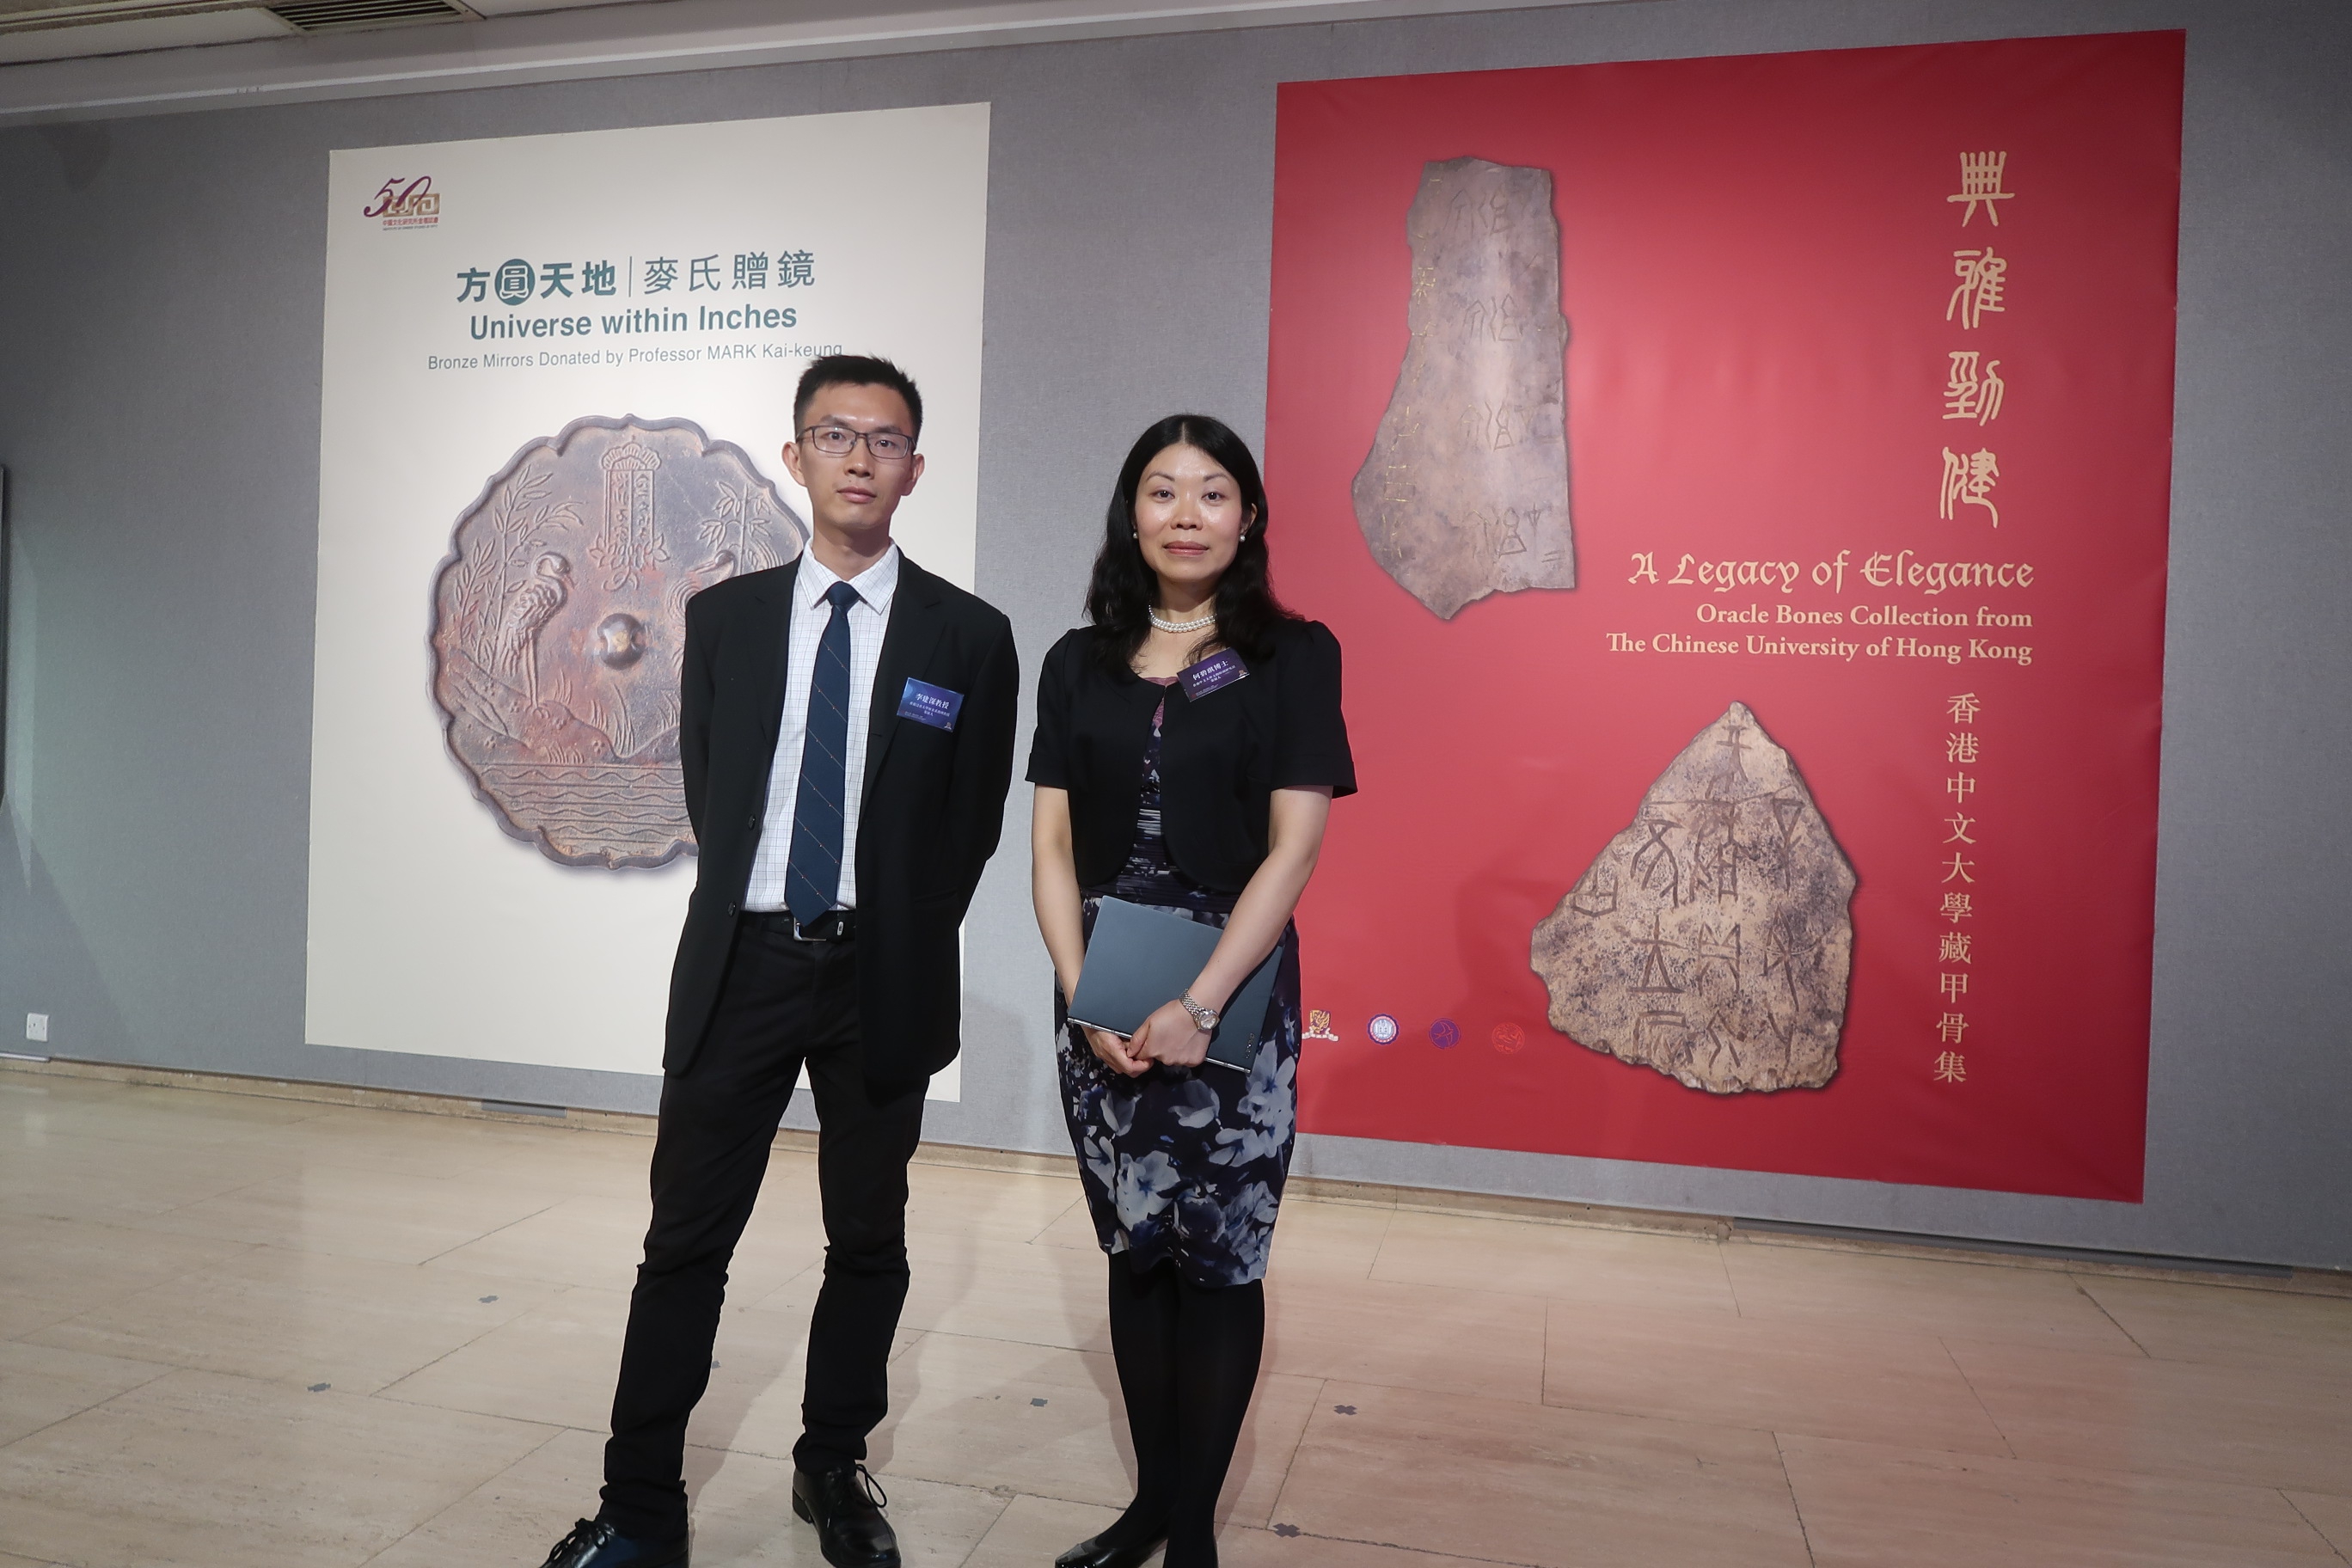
813, 873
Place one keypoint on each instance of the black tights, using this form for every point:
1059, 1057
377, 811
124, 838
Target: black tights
1188, 1359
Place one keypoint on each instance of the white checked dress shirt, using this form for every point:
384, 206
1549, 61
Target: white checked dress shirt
869, 618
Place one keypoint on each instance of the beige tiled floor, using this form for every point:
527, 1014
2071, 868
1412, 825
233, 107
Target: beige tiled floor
244, 1330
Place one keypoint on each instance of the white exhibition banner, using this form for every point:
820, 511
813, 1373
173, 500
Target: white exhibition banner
558, 374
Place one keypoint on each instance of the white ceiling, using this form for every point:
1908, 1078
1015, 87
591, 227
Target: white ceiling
236, 54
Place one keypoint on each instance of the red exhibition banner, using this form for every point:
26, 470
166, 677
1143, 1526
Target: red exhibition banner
1755, 676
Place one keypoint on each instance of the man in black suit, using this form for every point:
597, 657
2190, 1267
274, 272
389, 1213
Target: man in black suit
846, 737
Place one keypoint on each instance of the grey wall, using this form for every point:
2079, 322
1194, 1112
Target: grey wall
160, 307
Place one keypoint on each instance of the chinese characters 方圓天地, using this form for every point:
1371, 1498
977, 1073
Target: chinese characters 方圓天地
518, 280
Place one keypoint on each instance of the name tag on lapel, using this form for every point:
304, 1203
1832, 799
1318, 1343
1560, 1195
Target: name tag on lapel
1213, 674
928, 704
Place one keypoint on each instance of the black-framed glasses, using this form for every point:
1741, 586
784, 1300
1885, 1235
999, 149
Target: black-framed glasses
840, 440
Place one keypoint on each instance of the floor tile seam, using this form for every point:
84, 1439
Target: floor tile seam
1723, 1263
1842, 1332
2289, 1499
555, 1428
1013, 1494
1379, 1243
162, 1370
2304, 1284
995, 1519
181, 1278
2094, 1471
1543, 1372
143, 1232
1450, 1391
1290, 1460
1776, 1429
1628, 1302
1101, 1349
468, 1496
1986, 1334
1373, 1277
1796, 1506
232, 1268
887, 1471
1039, 1234
153, 1149
160, 1366
815, 1264
1299, 1533
2086, 1294
1104, 1350
2304, 1376
494, 1230
423, 1367
1977, 1394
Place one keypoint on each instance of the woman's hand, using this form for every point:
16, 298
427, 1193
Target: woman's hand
1170, 1036
1115, 1053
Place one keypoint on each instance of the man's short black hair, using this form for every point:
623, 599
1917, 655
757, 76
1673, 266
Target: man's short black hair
854, 370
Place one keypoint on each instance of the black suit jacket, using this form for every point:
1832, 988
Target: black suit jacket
929, 819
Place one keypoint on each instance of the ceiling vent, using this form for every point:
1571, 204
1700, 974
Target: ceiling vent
30, 16
352, 15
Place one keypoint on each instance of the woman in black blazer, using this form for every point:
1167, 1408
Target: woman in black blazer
1189, 746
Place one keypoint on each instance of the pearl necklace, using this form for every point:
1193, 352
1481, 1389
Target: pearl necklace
1202, 624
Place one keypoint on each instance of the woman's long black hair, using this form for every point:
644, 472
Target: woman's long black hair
1120, 596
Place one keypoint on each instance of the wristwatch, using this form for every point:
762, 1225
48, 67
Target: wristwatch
1203, 1018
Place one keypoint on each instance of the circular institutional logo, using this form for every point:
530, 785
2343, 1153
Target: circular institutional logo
514, 281
1508, 1039
1444, 1033
1382, 1028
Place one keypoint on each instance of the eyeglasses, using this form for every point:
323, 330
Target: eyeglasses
839, 441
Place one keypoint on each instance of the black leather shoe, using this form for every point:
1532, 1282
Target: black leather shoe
846, 1504
594, 1544
1092, 1553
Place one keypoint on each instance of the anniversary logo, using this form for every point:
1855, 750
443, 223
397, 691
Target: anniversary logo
406, 203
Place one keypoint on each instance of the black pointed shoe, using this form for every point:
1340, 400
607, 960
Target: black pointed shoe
846, 1504
1094, 1553
594, 1544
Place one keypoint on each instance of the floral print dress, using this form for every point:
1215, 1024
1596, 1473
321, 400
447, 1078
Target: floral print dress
1184, 1164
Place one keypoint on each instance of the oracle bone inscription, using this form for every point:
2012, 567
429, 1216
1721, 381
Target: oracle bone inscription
559, 627
1464, 492
1711, 940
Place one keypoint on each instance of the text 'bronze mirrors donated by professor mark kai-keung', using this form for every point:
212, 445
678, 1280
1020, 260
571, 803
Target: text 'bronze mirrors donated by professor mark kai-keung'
559, 627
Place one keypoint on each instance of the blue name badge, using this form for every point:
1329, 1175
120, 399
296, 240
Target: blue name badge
928, 704
1213, 673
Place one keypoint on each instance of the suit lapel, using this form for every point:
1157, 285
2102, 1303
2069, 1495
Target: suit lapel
775, 626
916, 616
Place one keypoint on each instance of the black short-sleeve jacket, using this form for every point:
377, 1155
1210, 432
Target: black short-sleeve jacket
1221, 758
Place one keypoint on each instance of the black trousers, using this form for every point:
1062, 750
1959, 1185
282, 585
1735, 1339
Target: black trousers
784, 1001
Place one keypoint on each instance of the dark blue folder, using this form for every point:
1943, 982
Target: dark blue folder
1140, 959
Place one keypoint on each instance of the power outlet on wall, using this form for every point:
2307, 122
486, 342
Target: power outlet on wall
36, 1025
